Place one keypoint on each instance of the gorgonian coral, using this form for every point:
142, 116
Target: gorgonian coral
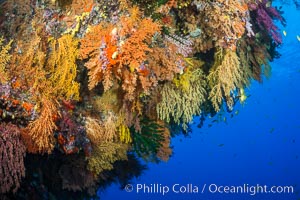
12, 152
264, 15
225, 77
39, 135
63, 68
4, 58
182, 100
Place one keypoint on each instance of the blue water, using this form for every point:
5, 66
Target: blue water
258, 143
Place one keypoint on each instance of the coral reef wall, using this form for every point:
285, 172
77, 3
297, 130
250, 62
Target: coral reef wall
106, 80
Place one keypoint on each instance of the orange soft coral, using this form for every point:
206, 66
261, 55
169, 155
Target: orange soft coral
99, 47
119, 52
123, 52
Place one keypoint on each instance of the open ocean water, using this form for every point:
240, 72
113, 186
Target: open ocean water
253, 148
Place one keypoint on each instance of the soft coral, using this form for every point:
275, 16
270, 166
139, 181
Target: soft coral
265, 14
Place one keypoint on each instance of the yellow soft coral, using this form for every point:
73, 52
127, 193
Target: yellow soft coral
182, 103
4, 58
124, 134
104, 155
63, 68
100, 131
183, 80
225, 77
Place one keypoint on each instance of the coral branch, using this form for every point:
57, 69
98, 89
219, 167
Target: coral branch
63, 67
41, 130
12, 152
180, 103
4, 59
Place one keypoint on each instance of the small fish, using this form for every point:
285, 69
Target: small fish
231, 116
220, 145
3, 114
236, 112
298, 38
214, 121
209, 125
114, 55
272, 130
270, 163
242, 96
284, 32
181, 71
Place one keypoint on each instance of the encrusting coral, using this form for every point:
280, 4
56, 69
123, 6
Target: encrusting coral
223, 22
217, 23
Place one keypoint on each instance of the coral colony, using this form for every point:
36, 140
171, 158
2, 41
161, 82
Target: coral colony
91, 86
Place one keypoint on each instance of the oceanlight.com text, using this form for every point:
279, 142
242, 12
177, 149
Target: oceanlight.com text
250, 189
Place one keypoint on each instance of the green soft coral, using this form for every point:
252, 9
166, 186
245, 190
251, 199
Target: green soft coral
148, 141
